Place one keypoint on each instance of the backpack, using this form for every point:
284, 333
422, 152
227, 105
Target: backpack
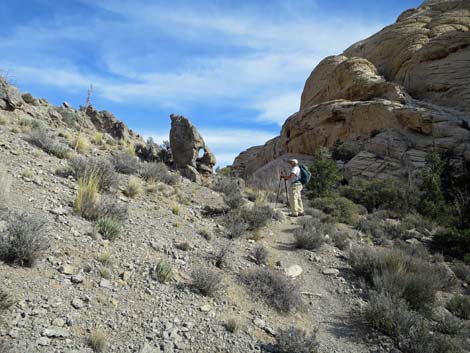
305, 174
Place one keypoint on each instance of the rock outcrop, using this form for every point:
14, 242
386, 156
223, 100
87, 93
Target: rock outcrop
186, 145
393, 96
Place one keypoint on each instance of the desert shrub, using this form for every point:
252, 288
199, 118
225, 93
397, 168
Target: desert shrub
110, 207
100, 168
222, 256
40, 138
109, 228
461, 270
452, 242
226, 185
24, 240
183, 246
410, 330
459, 305
274, 288
5, 300
399, 274
162, 272
133, 188
232, 325
260, 255
225, 171
389, 194
125, 163
234, 200
448, 324
158, 172
325, 175
344, 152
206, 281
339, 209
105, 258
310, 235
205, 233
341, 240
105, 273
295, 340
176, 208
97, 340
235, 224
258, 216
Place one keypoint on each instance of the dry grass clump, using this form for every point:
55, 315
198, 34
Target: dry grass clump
162, 272
100, 168
5, 185
295, 340
274, 288
92, 206
133, 188
97, 340
81, 144
176, 208
24, 240
310, 235
97, 138
125, 163
206, 281
235, 225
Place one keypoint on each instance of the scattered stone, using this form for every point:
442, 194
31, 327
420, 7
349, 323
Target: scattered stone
293, 271
205, 308
104, 283
43, 341
331, 272
55, 332
59, 211
67, 269
77, 303
77, 279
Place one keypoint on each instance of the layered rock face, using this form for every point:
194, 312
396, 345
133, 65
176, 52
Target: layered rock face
186, 145
388, 99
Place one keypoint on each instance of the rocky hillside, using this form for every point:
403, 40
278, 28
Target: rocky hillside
386, 100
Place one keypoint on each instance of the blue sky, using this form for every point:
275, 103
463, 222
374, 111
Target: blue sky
235, 68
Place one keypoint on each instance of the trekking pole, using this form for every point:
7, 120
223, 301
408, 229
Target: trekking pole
278, 191
287, 195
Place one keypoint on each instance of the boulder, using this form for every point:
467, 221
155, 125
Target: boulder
10, 97
186, 145
388, 100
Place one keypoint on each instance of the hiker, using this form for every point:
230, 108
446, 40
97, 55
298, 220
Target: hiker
295, 197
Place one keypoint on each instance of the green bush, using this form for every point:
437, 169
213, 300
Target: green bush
459, 305
339, 209
452, 242
325, 176
109, 228
432, 203
258, 216
389, 194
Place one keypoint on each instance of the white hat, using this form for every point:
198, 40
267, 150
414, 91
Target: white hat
295, 161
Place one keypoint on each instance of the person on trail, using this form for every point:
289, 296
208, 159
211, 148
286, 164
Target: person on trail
295, 189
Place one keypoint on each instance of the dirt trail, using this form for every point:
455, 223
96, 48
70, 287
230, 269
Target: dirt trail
333, 302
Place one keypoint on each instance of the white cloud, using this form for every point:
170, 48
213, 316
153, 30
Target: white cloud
258, 62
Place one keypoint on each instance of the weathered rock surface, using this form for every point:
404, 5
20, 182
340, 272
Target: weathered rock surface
186, 144
393, 96
10, 97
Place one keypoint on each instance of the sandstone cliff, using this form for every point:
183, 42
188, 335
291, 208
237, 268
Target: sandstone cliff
387, 100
